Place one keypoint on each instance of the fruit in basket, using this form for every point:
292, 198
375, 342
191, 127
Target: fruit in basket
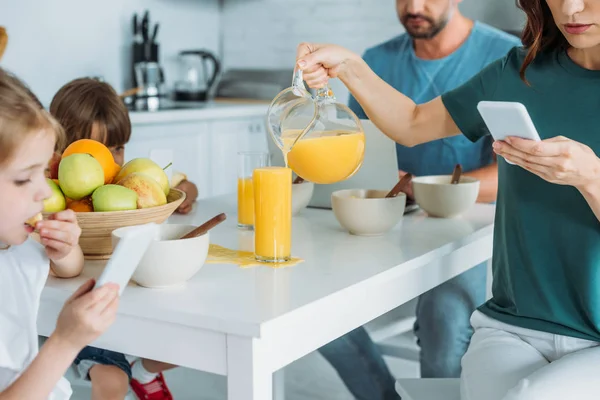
79, 175
56, 202
83, 205
53, 166
149, 192
147, 167
114, 198
97, 150
116, 170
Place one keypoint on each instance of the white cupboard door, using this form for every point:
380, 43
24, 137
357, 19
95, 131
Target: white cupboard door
189, 142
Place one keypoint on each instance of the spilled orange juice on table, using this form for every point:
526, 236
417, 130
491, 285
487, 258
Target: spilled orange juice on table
245, 202
325, 156
272, 214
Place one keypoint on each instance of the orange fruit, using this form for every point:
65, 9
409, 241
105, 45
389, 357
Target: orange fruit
97, 150
116, 169
83, 205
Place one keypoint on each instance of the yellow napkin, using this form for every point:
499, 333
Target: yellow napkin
221, 255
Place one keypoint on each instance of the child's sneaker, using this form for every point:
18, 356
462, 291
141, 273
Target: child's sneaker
154, 390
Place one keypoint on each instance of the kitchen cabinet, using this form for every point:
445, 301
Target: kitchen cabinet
189, 143
228, 138
206, 150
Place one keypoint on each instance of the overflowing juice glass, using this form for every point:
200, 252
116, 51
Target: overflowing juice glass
272, 214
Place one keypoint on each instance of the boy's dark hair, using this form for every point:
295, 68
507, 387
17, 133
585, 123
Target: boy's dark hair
85, 102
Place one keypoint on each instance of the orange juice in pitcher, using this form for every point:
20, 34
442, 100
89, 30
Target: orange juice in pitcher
325, 157
322, 140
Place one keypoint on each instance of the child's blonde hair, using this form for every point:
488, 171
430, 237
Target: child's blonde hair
21, 114
85, 102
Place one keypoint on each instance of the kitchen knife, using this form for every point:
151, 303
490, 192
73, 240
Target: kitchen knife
145, 22
155, 33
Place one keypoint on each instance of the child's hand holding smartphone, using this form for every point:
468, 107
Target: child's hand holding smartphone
87, 314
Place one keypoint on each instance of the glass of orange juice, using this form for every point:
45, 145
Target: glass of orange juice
272, 214
248, 162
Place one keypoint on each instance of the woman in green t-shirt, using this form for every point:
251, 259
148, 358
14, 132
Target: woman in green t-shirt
538, 338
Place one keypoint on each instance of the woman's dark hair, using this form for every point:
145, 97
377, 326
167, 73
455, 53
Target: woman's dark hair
541, 33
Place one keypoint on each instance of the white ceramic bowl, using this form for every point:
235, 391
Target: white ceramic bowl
367, 212
439, 198
301, 195
169, 262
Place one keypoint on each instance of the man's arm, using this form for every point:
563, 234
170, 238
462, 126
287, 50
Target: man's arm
488, 182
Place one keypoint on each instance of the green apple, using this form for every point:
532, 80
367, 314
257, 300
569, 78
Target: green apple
56, 202
114, 198
79, 175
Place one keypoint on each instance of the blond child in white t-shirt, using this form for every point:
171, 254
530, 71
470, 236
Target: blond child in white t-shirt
28, 136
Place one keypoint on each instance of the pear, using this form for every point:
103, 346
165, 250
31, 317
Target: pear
147, 167
149, 192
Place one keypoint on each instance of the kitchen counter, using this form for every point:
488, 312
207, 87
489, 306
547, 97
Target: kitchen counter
218, 109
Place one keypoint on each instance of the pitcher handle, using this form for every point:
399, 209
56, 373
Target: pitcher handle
323, 94
298, 83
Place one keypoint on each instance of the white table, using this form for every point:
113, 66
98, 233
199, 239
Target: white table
249, 323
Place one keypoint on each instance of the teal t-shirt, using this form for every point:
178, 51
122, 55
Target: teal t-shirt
422, 80
546, 258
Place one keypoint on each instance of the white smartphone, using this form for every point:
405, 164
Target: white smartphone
127, 255
506, 118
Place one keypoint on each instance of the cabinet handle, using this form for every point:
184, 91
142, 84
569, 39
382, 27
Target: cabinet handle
251, 128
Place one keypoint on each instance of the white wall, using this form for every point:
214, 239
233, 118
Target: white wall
54, 41
265, 33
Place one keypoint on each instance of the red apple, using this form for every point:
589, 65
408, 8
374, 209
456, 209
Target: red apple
53, 166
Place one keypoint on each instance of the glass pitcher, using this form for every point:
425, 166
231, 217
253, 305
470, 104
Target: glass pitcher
322, 140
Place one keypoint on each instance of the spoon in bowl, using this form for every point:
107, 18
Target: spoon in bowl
398, 188
456, 174
205, 227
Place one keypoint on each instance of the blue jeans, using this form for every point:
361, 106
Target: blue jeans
90, 356
443, 333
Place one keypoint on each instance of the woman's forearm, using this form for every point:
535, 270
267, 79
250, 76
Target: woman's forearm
591, 194
394, 113
40, 378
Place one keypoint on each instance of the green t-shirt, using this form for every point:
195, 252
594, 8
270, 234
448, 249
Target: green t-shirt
546, 258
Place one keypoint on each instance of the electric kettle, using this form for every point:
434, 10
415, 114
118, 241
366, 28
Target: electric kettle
199, 70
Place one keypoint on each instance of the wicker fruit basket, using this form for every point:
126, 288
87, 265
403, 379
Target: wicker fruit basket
97, 227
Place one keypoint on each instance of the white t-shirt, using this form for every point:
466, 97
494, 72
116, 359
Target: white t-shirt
23, 273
